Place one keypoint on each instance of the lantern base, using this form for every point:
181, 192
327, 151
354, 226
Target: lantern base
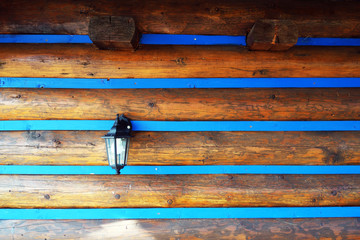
118, 170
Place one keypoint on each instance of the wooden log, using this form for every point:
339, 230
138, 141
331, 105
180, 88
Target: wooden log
183, 148
136, 191
114, 32
321, 228
152, 61
324, 18
272, 35
182, 104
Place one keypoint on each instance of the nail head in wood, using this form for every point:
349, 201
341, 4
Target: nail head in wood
272, 35
114, 32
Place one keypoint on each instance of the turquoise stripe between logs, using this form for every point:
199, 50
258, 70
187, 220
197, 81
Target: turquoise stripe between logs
181, 213
156, 170
97, 125
146, 83
172, 39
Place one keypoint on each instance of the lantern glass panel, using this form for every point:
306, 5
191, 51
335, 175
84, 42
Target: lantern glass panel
122, 148
110, 149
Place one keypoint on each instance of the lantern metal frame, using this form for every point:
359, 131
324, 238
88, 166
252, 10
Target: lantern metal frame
120, 131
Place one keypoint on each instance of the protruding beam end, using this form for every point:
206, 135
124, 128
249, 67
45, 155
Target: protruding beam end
272, 35
114, 32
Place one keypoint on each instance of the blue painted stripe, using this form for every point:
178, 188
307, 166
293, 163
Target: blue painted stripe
328, 42
94, 125
151, 170
181, 213
162, 39
146, 83
172, 39
38, 38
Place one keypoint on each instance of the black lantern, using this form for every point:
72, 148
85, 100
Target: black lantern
117, 142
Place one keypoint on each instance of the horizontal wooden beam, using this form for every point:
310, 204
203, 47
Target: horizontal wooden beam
183, 148
181, 104
343, 228
314, 19
85, 61
136, 191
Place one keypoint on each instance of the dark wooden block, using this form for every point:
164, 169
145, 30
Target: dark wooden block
114, 32
272, 35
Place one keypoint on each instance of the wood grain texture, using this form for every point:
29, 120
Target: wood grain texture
114, 33
154, 61
183, 148
280, 229
136, 191
323, 18
182, 104
272, 35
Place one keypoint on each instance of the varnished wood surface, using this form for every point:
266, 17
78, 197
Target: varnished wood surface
285, 229
323, 18
86, 61
136, 191
183, 148
182, 104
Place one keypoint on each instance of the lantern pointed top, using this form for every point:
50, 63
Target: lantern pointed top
122, 127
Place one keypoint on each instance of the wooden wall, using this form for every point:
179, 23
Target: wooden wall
323, 18
46, 191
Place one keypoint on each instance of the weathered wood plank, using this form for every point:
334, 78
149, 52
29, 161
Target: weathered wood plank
329, 228
324, 18
111, 191
152, 61
182, 104
183, 148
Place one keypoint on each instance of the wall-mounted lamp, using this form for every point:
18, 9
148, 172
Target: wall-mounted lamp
117, 142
